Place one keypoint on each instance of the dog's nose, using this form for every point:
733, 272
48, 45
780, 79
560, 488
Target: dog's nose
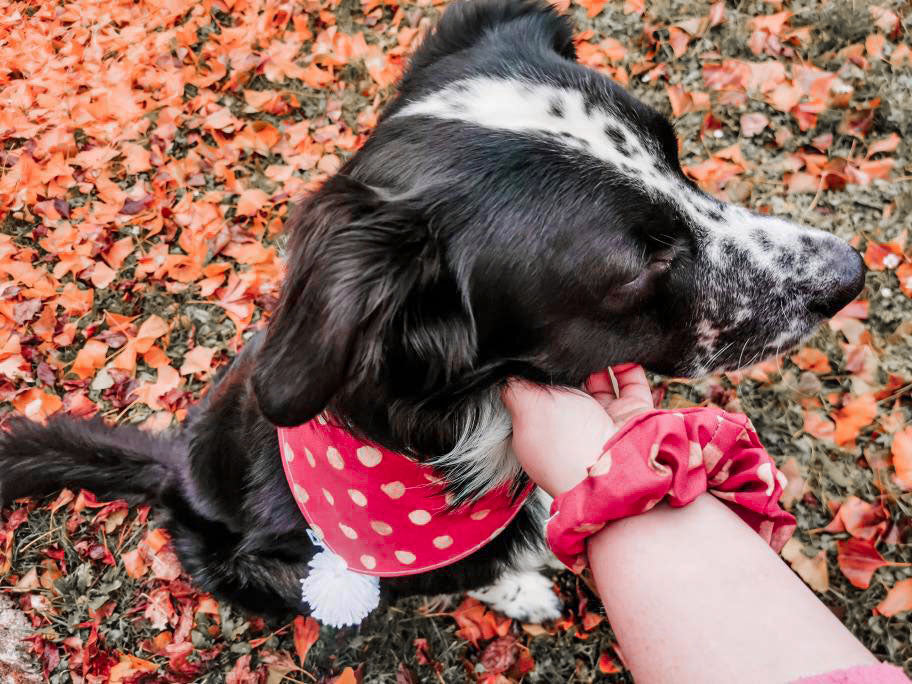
846, 279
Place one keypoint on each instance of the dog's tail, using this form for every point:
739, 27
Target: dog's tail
112, 462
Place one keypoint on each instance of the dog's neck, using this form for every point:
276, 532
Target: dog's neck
469, 443
481, 459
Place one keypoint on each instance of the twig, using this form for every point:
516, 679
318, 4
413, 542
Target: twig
902, 390
816, 197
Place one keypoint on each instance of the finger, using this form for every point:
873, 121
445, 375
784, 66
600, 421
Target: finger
633, 384
600, 383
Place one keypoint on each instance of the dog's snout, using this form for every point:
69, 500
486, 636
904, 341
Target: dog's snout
846, 271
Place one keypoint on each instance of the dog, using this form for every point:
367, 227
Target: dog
513, 214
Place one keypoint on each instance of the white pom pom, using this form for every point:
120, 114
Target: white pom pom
337, 596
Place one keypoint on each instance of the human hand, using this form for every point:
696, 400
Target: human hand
559, 433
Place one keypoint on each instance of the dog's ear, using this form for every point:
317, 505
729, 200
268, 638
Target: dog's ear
464, 24
367, 282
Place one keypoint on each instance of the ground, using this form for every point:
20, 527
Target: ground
148, 154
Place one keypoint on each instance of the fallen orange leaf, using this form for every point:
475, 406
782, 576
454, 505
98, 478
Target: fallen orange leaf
818, 425
607, 665
860, 519
250, 202
197, 360
811, 359
347, 677
118, 252
134, 563
151, 329
796, 486
813, 570
306, 633
904, 274
129, 668
36, 404
857, 413
897, 600
901, 450
858, 560
89, 359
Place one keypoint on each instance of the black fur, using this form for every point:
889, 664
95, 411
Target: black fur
441, 260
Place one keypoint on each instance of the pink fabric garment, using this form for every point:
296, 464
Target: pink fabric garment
380, 511
679, 455
863, 674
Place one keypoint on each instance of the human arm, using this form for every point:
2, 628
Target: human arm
694, 594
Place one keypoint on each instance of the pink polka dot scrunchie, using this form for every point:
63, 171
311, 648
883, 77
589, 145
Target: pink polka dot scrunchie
678, 455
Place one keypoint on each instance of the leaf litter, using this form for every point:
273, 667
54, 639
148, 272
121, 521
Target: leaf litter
148, 156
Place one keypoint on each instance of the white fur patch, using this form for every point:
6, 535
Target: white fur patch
481, 460
560, 116
527, 596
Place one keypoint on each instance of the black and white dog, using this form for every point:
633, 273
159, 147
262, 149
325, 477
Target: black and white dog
513, 214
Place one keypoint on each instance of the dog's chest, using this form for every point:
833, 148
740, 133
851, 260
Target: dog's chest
384, 514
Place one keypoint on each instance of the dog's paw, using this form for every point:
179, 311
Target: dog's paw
525, 596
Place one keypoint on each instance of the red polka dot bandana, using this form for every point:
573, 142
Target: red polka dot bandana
678, 455
383, 513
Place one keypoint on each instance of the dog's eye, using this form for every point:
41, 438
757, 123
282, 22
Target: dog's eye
628, 294
659, 263
648, 275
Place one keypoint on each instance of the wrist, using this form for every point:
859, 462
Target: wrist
575, 470
675, 455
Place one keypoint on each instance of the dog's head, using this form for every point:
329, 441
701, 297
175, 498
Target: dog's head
517, 213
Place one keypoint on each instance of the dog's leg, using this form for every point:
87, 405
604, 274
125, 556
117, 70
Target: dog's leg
526, 595
523, 592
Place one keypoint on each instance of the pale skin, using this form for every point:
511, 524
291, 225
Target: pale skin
693, 594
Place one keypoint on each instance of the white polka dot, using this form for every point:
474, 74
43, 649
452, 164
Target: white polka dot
357, 497
444, 541
335, 458
480, 515
711, 457
588, 528
348, 532
289, 452
310, 458
368, 562
405, 557
781, 479
301, 493
394, 489
659, 468
316, 530
328, 497
765, 474
602, 466
420, 517
696, 456
381, 527
369, 456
